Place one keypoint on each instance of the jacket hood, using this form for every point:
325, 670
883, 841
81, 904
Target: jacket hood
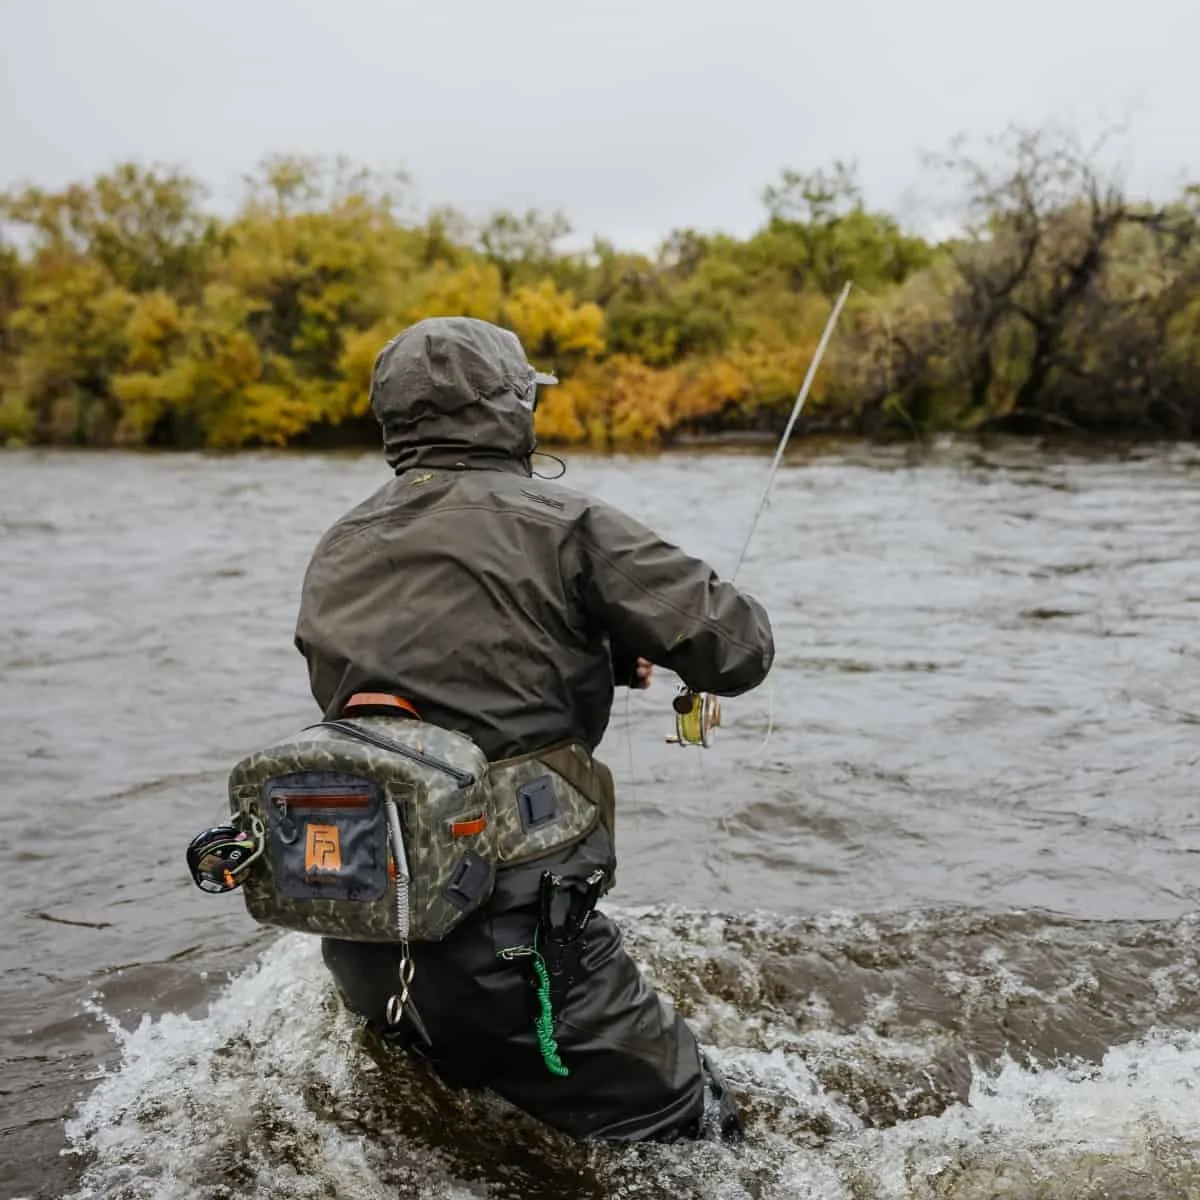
455, 391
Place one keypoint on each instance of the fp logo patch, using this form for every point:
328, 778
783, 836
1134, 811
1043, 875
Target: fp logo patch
322, 849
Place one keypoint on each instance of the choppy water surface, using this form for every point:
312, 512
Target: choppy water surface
931, 900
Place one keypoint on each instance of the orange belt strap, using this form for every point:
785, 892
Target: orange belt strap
379, 700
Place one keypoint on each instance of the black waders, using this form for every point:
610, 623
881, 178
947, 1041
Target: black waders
535, 998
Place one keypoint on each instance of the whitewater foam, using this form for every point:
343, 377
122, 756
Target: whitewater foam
272, 1093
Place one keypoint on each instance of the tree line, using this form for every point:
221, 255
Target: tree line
131, 315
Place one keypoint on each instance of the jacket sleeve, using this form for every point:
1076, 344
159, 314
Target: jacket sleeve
661, 604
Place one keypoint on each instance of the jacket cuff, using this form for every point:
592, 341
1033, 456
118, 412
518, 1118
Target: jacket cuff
624, 667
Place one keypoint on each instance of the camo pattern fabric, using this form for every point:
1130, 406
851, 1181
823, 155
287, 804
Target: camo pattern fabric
430, 802
562, 783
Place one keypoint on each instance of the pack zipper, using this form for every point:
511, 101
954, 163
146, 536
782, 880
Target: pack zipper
462, 778
286, 802
321, 800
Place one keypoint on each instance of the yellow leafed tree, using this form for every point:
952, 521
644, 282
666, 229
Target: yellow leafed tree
130, 314
552, 327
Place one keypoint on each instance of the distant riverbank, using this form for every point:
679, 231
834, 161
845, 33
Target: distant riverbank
955, 449
130, 315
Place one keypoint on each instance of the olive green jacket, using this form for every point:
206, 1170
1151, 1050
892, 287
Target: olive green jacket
502, 606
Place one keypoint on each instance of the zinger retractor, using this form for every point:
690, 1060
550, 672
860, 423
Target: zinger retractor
697, 714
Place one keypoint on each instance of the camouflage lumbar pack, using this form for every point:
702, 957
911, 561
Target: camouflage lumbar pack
388, 829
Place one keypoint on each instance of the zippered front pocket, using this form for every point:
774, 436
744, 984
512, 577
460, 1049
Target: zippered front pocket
462, 778
327, 836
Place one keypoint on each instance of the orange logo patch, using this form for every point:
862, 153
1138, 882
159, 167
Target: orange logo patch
322, 848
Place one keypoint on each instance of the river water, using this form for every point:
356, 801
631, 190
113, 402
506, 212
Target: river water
931, 900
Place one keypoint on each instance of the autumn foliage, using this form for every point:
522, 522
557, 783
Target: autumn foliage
132, 315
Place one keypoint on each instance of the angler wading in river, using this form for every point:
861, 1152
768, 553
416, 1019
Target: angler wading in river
445, 828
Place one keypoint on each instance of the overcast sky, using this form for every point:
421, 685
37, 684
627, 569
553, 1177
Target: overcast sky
635, 118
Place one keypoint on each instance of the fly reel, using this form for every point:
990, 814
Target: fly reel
697, 714
219, 858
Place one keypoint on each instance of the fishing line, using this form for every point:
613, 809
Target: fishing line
702, 740
629, 743
762, 748
697, 713
826, 334
888, 368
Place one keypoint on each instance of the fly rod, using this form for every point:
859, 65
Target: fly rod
697, 714
805, 388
